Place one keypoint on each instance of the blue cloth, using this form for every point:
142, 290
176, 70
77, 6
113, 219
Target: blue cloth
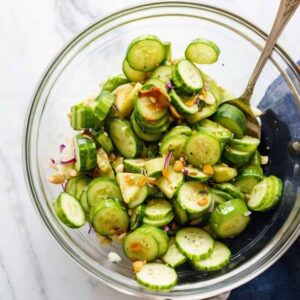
282, 280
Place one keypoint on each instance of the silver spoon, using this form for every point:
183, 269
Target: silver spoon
285, 12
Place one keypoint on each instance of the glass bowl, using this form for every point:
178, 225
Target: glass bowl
96, 53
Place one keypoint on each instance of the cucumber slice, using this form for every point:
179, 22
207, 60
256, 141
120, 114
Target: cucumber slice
145, 53
157, 83
175, 144
187, 77
204, 110
124, 138
157, 209
146, 136
178, 130
246, 143
192, 173
69, 210
181, 106
255, 159
125, 96
201, 51
113, 82
139, 246
231, 118
266, 194
102, 105
236, 156
82, 117
170, 185
104, 140
194, 197
136, 219
248, 178
131, 74
118, 164
202, 149
71, 186
105, 168
81, 183
168, 47
230, 218
173, 256
85, 153
134, 165
159, 235
219, 196
230, 189
84, 201
194, 243
156, 276
156, 126
163, 73
154, 191
211, 85
161, 222
212, 128
223, 173
194, 219
133, 187
154, 167
181, 216
218, 259
102, 187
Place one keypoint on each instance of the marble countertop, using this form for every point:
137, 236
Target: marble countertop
32, 265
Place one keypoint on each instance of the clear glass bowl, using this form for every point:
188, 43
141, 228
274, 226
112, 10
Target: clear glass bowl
98, 52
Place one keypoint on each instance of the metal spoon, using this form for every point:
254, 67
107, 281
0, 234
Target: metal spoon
285, 12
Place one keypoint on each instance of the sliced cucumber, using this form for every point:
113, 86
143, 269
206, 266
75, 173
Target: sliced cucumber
104, 140
113, 82
248, 178
195, 219
105, 168
139, 246
192, 173
131, 74
218, 259
246, 143
136, 218
164, 73
85, 153
124, 138
153, 127
146, 136
230, 189
157, 209
84, 201
104, 203
201, 51
102, 105
156, 276
133, 188
161, 222
181, 216
255, 159
102, 187
178, 130
194, 197
145, 53
223, 173
202, 149
154, 167
219, 196
159, 235
212, 128
118, 164
194, 243
236, 156
154, 191
155, 82
181, 106
134, 165
231, 118
187, 77
175, 144
170, 185
71, 186
69, 210
173, 256
168, 58
278, 188
81, 183
82, 117
230, 218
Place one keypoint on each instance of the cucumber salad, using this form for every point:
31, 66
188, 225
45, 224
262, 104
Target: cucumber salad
161, 162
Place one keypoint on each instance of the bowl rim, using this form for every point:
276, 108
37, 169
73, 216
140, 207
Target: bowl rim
27, 132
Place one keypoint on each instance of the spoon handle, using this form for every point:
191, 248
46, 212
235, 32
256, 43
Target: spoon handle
285, 11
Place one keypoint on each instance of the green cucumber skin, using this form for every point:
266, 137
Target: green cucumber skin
113, 82
181, 216
157, 209
178, 130
132, 167
131, 74
180, 106
236, 156
136, 219
102, 105
203, 113
159, 223
82, 117
174, 144
230, 189
103, 140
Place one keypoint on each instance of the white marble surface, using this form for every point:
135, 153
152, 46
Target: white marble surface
32, 265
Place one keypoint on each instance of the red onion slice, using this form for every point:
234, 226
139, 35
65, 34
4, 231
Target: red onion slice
67, 155
185, 172
62, 147
167, 160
